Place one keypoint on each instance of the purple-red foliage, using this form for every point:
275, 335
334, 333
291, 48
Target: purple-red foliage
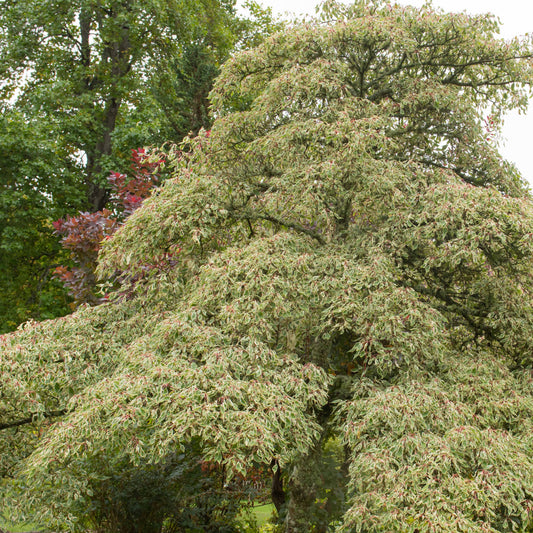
129, 192
83, 234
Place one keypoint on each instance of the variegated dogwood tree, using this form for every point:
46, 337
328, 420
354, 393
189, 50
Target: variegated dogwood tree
354, 272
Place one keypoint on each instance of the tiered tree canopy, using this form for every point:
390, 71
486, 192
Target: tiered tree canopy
351, 263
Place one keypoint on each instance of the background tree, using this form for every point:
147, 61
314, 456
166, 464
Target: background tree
353, 287
33, 191
82, 83
85, 65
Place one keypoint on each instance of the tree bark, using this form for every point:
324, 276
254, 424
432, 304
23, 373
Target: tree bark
97, 194
277, 492
118, 53
31, 419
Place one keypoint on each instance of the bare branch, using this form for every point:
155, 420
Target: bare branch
31, 419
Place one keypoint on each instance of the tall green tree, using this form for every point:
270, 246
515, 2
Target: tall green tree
353, 290
81, 84
34, 190
83, 65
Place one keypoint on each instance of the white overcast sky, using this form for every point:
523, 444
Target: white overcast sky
516, 17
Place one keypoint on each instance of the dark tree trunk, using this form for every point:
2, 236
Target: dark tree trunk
277, 492
97, 194
118, 54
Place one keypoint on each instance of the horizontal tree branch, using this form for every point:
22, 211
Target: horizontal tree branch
292, 225
32, 418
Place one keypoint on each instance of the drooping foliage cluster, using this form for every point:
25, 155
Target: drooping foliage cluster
354, 271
